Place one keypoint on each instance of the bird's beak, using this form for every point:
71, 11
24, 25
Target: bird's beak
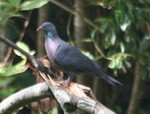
38, 29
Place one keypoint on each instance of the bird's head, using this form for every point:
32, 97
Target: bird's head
47, 27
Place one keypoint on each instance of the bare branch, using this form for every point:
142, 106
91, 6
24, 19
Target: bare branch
23, 97
73, 12
31, 58
8, 42
73, 96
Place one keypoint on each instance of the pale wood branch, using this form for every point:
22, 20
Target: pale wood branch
65, 96
23, 97
75, 96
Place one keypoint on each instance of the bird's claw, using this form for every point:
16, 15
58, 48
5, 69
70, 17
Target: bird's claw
65, 83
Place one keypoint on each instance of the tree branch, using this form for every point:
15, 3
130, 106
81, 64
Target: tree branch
11, 44
73, 96
73, 12
31, 58
137, 90
66, 100
23, 97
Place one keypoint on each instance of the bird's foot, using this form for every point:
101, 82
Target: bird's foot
65, 84
58, 79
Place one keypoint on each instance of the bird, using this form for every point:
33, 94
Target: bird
68, 58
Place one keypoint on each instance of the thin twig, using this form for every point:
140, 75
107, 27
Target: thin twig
73, 12
31, 58
10, 54
11, 44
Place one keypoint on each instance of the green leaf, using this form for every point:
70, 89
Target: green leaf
122, 47
18, 15
119, 15
6, 81
32, 4
86, 40
102, 20
8, 92
119, 64
128, 64
14, 69
125, 23
103, 27
116, 63
112, 64
53, 111
22, 46
93, 33
15, 2
32, 52
88, 54
113, 37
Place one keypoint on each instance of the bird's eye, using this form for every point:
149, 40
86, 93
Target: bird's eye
45, 26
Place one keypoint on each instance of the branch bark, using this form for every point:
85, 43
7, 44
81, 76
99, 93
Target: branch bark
137, 90
11, 44
23, 97
66, 100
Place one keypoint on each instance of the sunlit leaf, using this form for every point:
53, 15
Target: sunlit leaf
125, 23
119, 64
18, 15
22, 46
112, 64
88, 54
116, 63
53, 111
113, 38
32, 4
32, 52
122, 47
86, 40
14, 69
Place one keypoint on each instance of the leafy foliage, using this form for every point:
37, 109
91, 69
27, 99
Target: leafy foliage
19, 67
125, 31
12, 8
32, 4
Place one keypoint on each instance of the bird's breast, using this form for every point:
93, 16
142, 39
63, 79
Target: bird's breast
51, 47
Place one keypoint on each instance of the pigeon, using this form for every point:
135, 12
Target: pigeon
68, 58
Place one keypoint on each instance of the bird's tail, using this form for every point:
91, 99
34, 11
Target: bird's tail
109, 79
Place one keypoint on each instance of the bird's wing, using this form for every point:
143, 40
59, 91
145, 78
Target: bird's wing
70, 59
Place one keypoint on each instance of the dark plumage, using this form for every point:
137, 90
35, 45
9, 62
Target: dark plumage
68, 58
